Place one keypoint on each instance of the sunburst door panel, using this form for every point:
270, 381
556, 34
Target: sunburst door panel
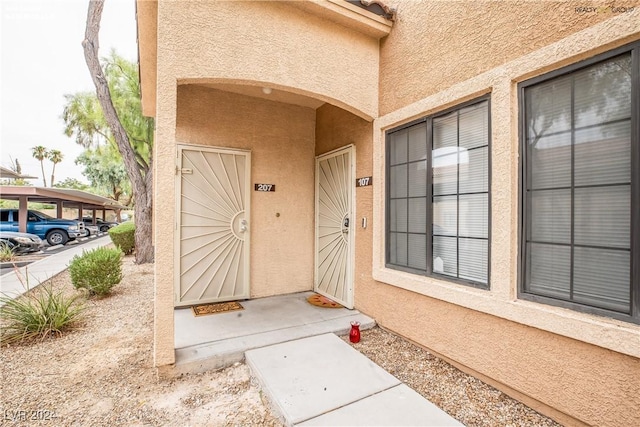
214, 226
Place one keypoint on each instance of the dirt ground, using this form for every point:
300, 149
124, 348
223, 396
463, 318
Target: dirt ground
101, 374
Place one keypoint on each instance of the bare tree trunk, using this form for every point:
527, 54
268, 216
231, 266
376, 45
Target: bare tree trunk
142, 185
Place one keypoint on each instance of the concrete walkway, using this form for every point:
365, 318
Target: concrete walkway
323, 381
15, 282
311, 376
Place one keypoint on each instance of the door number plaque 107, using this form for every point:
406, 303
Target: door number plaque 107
265, 187
364, 181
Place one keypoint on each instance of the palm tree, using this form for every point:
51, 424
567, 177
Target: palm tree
39, 152
56, 157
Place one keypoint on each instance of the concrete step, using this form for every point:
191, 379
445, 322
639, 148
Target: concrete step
225, 352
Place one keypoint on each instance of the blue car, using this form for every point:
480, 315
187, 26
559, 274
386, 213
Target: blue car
56, 231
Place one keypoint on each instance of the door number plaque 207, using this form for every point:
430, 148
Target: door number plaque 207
265, 187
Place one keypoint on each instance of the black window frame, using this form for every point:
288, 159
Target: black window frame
634, 317
428, 119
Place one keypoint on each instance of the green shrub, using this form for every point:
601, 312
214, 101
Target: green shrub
97, 271
38, 314
6, 254
123, 236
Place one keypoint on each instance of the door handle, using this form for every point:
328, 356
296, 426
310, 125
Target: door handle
345, 224
243, 225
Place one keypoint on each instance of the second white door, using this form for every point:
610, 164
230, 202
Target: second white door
334, 248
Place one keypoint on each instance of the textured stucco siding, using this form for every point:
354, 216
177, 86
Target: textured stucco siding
271, 44
575, 367
558, 376
164, 201
147, 18
435, 44
281, 140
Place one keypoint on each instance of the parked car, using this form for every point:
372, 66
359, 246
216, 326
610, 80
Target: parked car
89, 230
99, 223
56, 231
21, 243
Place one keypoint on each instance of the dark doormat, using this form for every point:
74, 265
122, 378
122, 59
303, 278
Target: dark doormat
218, 307
322, 301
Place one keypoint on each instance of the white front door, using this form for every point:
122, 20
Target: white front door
335, 226
213, 227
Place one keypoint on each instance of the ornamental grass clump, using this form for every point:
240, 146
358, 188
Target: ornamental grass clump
97, 271
6, 253
41, 313
123, 236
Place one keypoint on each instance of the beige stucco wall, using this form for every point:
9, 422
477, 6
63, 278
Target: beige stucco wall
147, 18
289, 49
270, 44
439, 43
573, 366
558, 376
281, 140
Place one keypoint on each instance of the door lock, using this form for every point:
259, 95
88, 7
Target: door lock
345, 224
243, 225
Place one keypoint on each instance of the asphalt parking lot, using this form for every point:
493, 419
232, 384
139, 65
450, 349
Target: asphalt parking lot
26, 259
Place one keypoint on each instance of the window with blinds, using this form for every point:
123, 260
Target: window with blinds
438, 195
580, 151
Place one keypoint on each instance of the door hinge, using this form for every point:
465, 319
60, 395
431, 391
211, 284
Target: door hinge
184, 171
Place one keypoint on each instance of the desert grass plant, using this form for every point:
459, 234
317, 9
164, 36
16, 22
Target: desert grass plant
123, 236
6, 253
97, 271
41, 313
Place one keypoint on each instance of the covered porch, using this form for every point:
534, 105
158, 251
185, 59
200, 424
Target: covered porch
219, 340
232, 139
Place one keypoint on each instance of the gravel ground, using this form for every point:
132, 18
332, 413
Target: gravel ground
101, 374
462, 396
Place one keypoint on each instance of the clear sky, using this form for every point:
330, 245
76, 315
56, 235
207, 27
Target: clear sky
41, 60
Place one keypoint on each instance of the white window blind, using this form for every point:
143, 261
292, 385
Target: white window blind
578, 186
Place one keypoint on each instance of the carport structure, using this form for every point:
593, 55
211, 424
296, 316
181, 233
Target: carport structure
6, 173
61, 197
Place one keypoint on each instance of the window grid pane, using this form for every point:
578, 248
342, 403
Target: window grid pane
461, 200
407, 198
578, 181
438, 200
